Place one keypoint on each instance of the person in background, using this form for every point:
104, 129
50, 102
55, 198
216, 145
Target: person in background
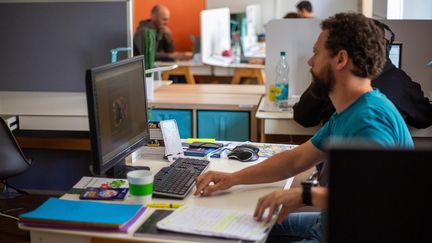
349, 52
304, 9
165, 49
291, 15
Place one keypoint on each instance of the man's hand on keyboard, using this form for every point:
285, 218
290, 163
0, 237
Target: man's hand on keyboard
212, 181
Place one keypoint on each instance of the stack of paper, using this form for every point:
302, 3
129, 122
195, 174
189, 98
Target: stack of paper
214, 222
83, 215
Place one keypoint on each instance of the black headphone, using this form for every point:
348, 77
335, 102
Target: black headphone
392, 35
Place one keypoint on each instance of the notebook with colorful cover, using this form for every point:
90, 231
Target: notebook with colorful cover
83, 215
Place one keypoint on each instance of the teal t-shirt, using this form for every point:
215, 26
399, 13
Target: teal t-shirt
372, 118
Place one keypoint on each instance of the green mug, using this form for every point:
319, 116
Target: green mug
140, 186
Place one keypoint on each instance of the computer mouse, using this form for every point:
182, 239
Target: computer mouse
249, 146
243, 154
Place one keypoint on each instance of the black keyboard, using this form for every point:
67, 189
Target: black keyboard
177, 180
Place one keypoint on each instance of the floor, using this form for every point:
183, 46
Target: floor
9, 231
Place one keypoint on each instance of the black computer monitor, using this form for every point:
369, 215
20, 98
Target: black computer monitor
378, 195
395, 54
117, 111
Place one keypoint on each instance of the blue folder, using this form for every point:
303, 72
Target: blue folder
61, 213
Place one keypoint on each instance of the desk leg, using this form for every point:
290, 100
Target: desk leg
181, 71
262, 137
257, 73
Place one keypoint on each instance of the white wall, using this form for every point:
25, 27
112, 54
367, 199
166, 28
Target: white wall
417, 9
380, 9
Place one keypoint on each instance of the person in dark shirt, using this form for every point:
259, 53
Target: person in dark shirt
158, 21
304, 9
399, 88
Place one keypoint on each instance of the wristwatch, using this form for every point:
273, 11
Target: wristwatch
306, 194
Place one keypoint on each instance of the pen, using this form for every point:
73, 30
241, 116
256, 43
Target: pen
164, 205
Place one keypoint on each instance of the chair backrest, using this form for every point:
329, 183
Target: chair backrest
12, 159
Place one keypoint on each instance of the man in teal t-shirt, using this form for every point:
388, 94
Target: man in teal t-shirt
349, 52
372, 118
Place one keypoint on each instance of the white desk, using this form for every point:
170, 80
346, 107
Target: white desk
241, 198
282, 123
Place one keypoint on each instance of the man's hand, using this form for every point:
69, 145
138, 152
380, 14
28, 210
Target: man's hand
289, 199
212, 181
165, 30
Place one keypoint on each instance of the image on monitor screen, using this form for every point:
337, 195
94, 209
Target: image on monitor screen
117, 109
395, 54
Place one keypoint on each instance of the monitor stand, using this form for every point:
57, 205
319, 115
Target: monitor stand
120, 170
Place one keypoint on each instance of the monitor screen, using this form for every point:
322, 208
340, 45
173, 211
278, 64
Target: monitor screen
117, 109
395, 54
379, 194
215, 36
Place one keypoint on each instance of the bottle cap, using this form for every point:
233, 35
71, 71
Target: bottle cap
282, 53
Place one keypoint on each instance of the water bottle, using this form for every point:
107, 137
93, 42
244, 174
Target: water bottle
237, 52
281, 83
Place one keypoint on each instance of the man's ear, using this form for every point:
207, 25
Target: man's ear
341, 59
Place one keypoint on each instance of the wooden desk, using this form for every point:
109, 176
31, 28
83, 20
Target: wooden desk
186, 69
189, 68
214, 89
241, 198
181, 70
250, 71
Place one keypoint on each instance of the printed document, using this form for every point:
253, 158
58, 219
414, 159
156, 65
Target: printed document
214, 222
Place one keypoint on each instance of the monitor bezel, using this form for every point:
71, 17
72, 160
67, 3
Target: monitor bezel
99, 167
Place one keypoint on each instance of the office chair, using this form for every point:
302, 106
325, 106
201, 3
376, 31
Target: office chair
12, 161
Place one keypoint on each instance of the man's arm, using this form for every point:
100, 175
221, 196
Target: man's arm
278, 167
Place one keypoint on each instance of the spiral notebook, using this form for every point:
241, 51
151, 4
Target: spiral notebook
214, 222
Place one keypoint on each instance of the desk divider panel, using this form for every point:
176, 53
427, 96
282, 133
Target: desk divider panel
48, 45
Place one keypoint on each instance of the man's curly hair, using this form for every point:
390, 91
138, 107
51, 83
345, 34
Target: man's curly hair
361, 38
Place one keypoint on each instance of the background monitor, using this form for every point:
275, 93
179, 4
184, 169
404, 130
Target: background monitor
117, 110
250, 30
215, 36
378, 195
395, 54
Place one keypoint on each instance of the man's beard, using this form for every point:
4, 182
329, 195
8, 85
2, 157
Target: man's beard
322, 84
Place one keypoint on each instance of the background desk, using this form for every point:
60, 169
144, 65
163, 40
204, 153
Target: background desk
237, 71
224, 112
241, 198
